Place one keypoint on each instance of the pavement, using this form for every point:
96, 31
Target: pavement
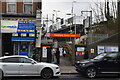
66, 67
68, 70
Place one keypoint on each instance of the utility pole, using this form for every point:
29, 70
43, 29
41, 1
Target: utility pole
52, 21
90, 32
90, 25
0, 29
56, 17
73, 40
39, 29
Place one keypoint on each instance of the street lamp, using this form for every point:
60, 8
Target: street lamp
0, 29
73, 6
73, 41
73, 15
56, 11
90, 23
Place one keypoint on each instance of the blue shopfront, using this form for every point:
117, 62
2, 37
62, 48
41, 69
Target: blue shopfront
23, 45
24, 39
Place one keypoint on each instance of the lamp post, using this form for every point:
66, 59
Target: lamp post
39, 28
73, 15
73, 40
0, 29
56, 11
90, 24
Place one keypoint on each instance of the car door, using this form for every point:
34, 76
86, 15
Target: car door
10, 66
109, 64
27, 68
118, 60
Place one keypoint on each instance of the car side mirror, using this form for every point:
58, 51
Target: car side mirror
33, 62
105, 59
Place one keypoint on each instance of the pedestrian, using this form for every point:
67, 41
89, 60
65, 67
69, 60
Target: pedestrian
64, 52
58, 55
54, 56
49, 55
34, 56
55, 60
86, 55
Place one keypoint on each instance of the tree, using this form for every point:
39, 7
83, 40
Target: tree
107, 15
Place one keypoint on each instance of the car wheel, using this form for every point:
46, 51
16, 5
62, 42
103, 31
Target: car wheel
91, 72
46, 73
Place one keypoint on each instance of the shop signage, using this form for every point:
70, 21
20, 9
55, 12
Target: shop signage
23, 39
81, 49
23, 53
26, 27
101, 49
44, 51
9, 26
17, 26
92, 51
111, 49
63, 35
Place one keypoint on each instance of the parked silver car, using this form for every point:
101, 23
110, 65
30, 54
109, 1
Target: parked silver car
23, 66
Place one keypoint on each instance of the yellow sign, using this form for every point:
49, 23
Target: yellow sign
92, 50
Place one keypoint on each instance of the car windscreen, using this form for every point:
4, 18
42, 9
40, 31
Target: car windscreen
100, 56
111, 56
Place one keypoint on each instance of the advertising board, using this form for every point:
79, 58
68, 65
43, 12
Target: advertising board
100, 49
26, 27
9, 26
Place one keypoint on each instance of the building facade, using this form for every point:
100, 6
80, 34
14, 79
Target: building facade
18, 26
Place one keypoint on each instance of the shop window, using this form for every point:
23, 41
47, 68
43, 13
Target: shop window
15, 34
24, 47
23, 34
31, 35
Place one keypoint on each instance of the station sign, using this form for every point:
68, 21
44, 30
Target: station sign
63, 35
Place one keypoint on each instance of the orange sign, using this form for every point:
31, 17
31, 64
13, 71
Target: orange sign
64, 35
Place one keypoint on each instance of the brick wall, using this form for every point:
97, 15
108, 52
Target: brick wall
20, 6
4, 7
0, 7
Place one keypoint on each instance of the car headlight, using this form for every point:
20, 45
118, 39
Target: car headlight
82, 64
78, 61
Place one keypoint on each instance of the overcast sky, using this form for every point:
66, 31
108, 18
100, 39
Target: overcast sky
65, 6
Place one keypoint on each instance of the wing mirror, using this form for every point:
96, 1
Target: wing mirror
105, 59
33, 62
